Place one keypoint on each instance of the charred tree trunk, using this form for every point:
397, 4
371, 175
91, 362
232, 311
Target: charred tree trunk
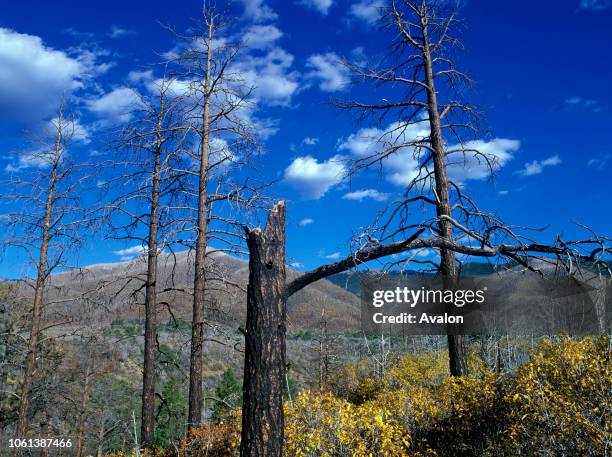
448, 264
41, 277
199, 286
148, 378
265, 345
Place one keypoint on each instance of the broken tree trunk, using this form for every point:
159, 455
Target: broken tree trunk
265, 345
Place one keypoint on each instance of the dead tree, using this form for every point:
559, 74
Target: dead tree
151, 199
216, 99
265, 347
265, 335
45, 221
420, 68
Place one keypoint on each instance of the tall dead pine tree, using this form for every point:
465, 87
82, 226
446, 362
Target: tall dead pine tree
421, 71
216, 99
44, 220
150, 186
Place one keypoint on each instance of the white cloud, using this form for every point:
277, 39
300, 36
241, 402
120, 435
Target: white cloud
144, 76
370, 140
328, 70
72, 129
34, 77
313, 178
130, 253
39, 159
359, 195
334, 256
261, 36
322, 6
402, 166
368, 11
117, 32
582, 103
310, 141
296, 265
271, 75
306, 221
115, 106
503, 192
491, 156
537, 166
258, 11
594, 5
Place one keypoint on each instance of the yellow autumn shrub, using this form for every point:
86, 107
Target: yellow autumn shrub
319, 424
561, 402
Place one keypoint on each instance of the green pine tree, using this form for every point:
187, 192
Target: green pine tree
229, 391
170, 414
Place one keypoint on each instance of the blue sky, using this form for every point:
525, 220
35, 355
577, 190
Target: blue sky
542, 72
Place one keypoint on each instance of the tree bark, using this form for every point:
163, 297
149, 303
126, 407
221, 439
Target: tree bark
265, 344
41, 277
448, 264
148, 379
199, 286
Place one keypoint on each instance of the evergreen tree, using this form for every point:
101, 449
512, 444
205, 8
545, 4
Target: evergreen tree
229, 395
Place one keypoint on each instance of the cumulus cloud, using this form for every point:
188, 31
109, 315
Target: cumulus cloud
328, 70
34, 77
322, 6
466, 163
261, 36
402, 166
115, 106
258, 11
73, 129
37, 158
306, 221
537, 166
313, 178
359, 195
144, 76
130, 253
271, 75
296, 265
368, 11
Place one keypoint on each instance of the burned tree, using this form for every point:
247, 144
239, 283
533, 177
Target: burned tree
150, 210
217, 102
265, 348
427, 114
45, 221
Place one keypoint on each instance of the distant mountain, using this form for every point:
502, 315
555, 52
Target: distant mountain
115, 291
351, 281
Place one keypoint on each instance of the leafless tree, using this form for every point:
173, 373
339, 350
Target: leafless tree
149, 209
45, 220
268, 291
217, 101
435, 128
